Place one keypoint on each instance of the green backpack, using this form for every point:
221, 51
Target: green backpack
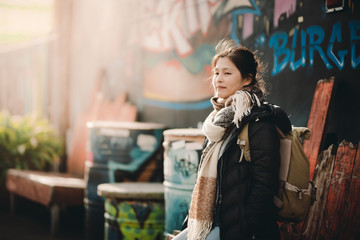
296, 192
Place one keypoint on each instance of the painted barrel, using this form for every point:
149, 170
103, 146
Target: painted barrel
118, 152
133, 210
182, 152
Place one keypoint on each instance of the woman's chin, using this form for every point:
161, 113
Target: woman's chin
223, 96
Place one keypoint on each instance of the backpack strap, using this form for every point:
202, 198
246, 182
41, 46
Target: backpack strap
244, 144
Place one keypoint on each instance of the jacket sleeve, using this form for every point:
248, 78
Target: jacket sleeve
265, 163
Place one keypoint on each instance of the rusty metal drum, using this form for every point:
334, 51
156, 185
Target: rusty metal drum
118, 152
133, 210
182, 152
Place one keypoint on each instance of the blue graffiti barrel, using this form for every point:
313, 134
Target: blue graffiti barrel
182, 152
133, 210
118, 152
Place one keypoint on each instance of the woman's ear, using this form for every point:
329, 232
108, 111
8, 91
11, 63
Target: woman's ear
248, 80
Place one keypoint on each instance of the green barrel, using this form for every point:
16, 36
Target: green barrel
119, 152
182, 151
133, 210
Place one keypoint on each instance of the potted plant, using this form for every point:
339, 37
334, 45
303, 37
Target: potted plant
27, 142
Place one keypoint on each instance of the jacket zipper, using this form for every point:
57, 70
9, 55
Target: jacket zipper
219, 194
219, 200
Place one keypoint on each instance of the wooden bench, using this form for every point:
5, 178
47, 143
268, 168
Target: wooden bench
54, 189
48, 188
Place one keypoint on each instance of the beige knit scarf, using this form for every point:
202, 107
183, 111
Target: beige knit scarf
231, 110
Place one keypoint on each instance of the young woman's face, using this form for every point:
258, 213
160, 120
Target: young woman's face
227, 78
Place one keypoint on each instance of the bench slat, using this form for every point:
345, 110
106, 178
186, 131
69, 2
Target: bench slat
46, 187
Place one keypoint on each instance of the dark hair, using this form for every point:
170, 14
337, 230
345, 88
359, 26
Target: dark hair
246, 61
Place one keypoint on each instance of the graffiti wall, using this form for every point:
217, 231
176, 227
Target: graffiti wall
300, 42
176, 41
307, 42
159, 52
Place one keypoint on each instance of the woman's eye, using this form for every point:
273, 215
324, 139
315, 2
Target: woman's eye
216, 73
227, 73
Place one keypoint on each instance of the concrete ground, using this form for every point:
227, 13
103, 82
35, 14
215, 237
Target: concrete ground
32, 222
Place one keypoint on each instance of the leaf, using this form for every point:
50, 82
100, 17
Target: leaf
27, 142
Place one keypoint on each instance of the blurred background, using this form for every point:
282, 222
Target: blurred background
73, 61
54, 55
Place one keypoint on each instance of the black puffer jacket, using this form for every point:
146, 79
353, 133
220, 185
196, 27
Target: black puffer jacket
244, 201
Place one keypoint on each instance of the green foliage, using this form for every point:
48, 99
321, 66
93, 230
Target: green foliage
27, 143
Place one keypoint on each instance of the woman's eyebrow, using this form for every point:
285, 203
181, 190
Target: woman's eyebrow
225, 68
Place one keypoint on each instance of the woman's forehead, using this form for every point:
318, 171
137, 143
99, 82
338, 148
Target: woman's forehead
224, 63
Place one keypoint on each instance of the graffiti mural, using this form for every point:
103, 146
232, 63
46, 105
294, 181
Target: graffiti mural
134, 219
300, 42
119, 152
185, 166
181, 165
172, 24
310, 41
178, 39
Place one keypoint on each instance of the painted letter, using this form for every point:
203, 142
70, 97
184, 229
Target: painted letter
314, 44
171, 31
336, 35
301, 62
278, 41
191, 18
354, 29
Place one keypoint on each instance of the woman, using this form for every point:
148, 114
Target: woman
232, 197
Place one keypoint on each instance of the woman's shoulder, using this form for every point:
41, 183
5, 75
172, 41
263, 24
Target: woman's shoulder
261, 129
268, 115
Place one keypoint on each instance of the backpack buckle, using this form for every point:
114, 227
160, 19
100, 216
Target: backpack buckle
300, 193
